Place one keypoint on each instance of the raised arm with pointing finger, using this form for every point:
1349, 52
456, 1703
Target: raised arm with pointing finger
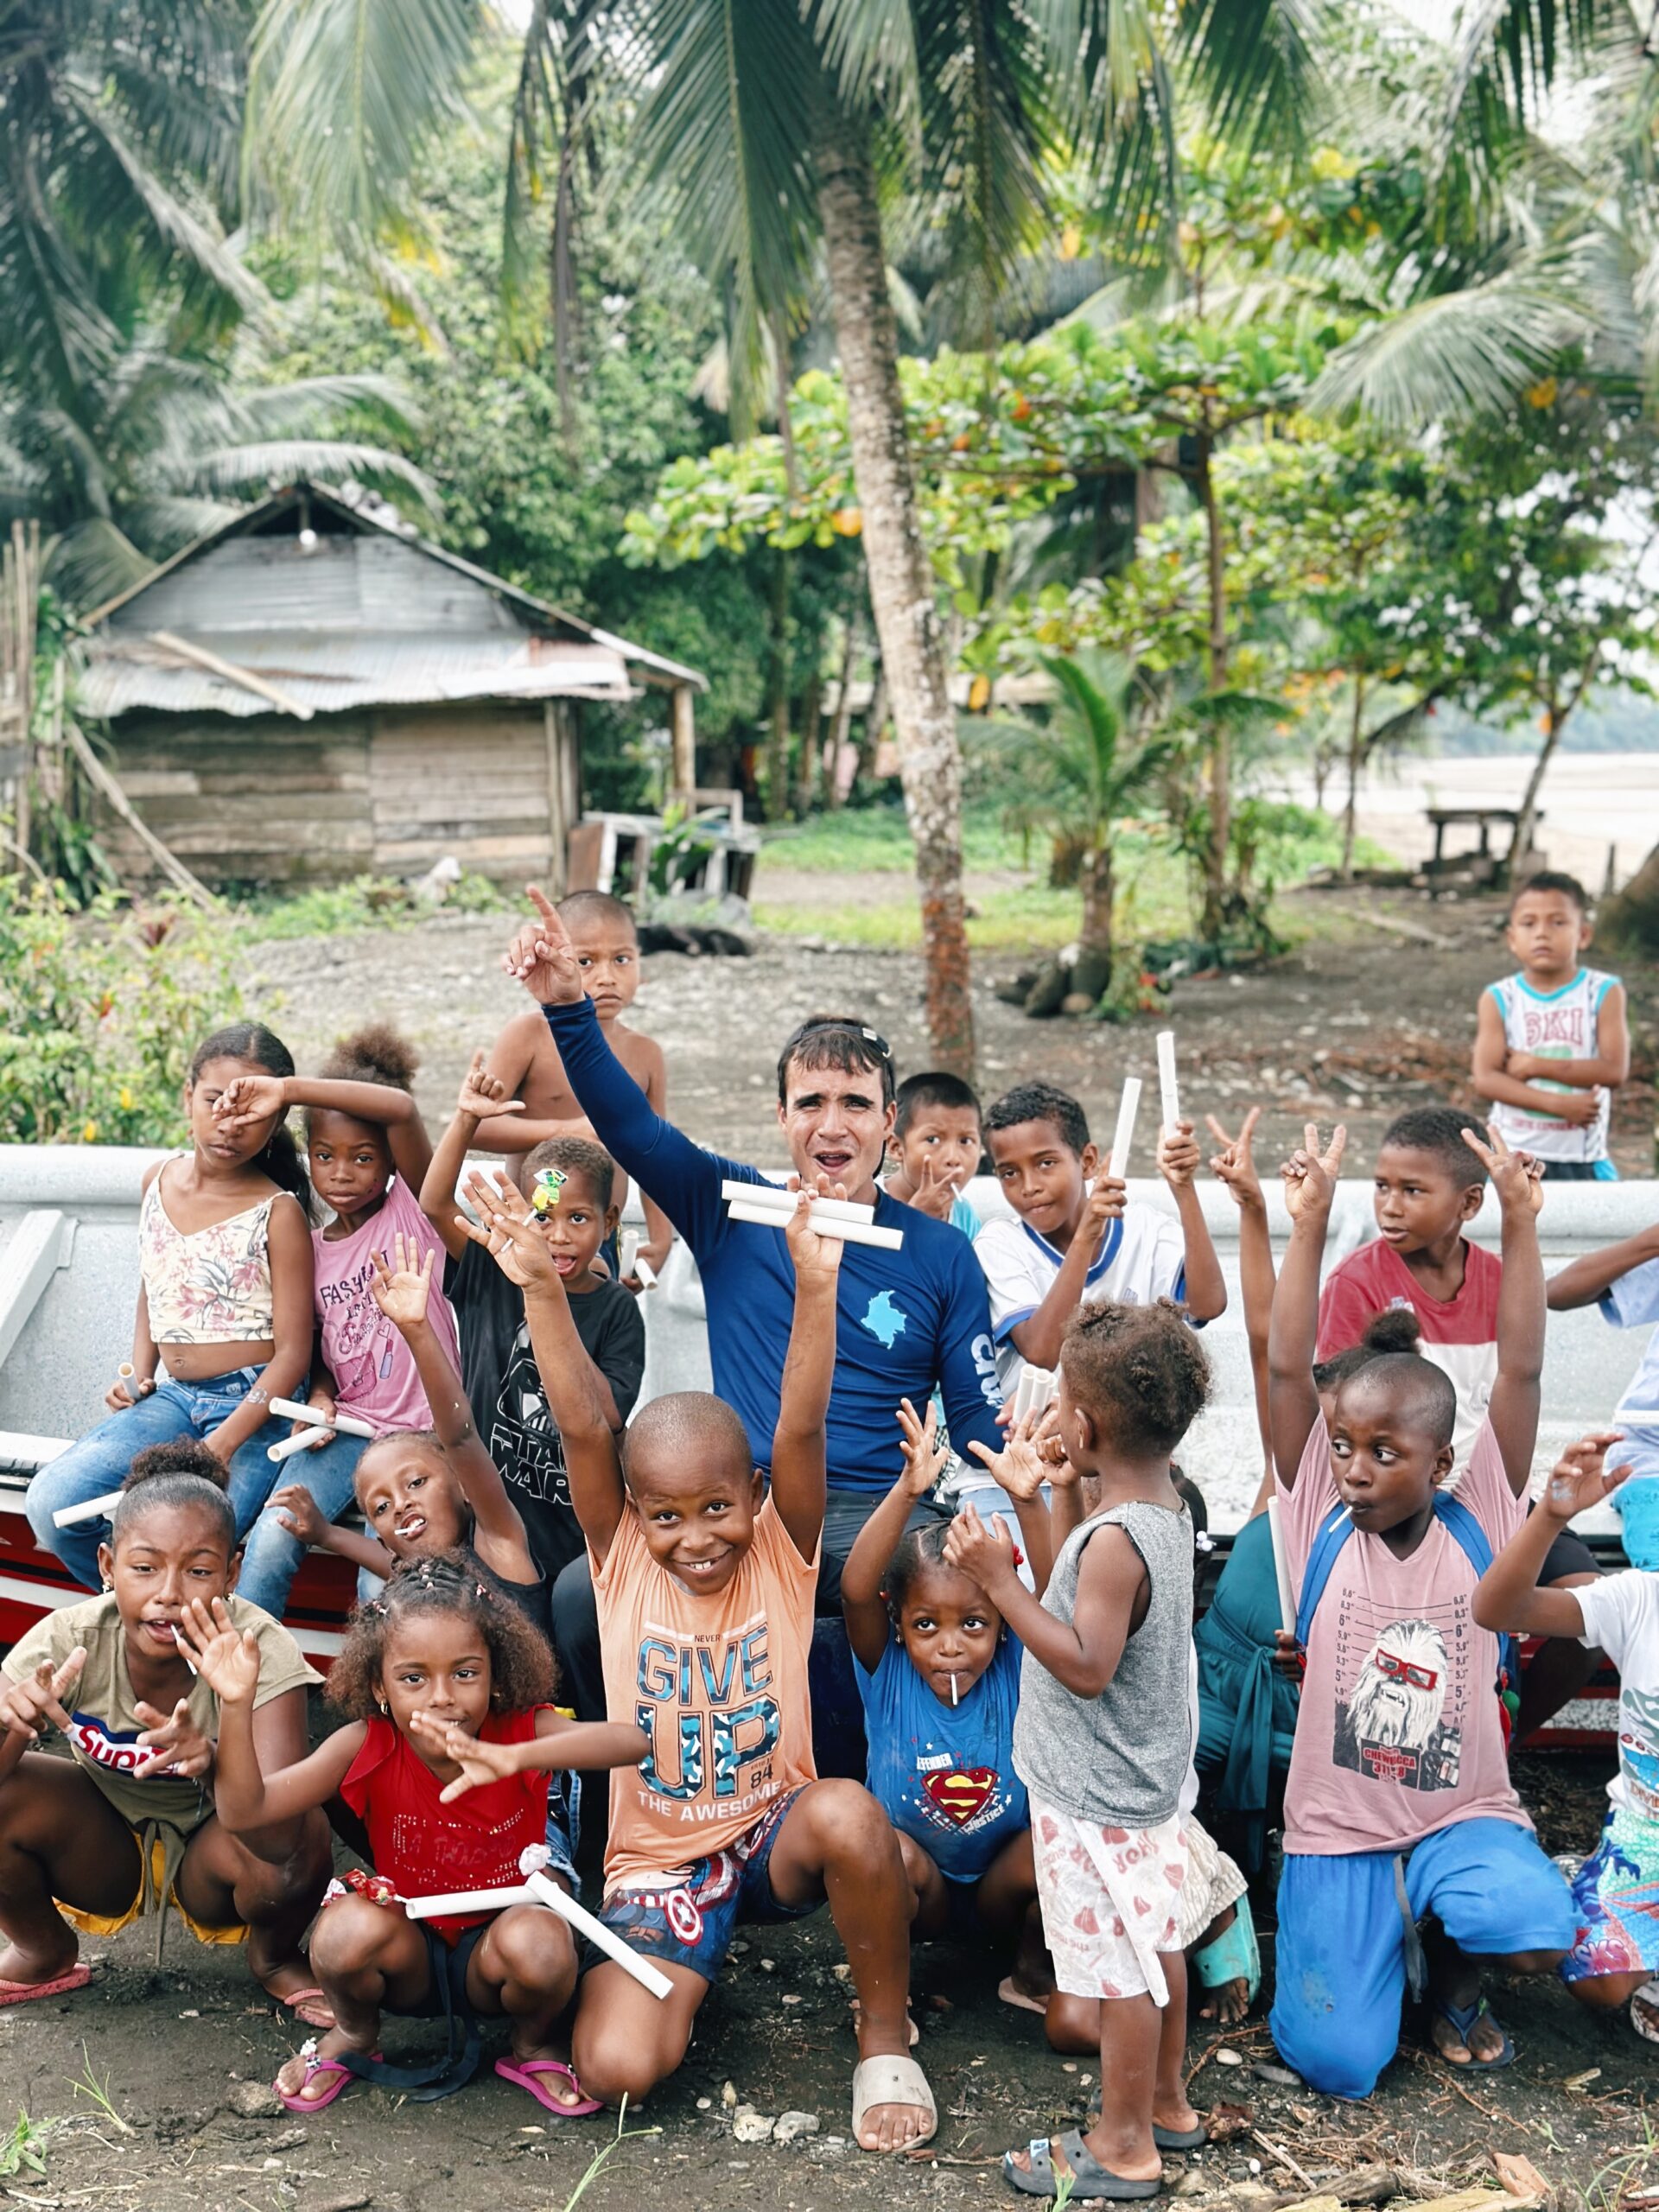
905, 1321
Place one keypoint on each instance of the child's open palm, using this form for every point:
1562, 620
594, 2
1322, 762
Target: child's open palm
508, 1231
1517, 1177
925, 1459
1311, 1175
1581, 1477
401, 1287
226, 1657
1019, 1467
816, 1254
483, 1095
299, 1513
541, 955
1234, 1165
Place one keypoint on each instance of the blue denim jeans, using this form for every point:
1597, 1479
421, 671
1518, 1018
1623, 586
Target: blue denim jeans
271, 1556
100, 1460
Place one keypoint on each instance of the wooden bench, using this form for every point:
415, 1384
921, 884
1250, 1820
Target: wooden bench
1483, 864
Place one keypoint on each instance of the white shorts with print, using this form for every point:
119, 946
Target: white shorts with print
1112, 1901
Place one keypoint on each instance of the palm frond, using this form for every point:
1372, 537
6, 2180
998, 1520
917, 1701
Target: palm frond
1456, 354
1255, 64
93, 561
343, 95
256, 469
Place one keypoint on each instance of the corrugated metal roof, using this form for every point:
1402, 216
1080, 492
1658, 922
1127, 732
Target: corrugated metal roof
125, 668
345, 580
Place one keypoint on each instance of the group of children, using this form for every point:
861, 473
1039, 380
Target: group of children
1042, 1722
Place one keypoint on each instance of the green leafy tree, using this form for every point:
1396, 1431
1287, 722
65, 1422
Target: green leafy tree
1076, 775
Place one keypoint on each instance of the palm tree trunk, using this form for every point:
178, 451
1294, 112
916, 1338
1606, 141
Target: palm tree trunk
842, 721
808, 760
777, 692
1221, 750
1094, 969
901, 577
1355, 761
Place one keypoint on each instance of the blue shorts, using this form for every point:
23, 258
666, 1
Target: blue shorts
693, 1924
1616, 1900
1343, 1933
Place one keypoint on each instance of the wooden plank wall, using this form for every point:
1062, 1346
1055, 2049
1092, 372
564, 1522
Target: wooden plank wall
263, 799
267, 800
471, 780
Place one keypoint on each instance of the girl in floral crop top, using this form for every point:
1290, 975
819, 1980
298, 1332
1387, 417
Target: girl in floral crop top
224, 1318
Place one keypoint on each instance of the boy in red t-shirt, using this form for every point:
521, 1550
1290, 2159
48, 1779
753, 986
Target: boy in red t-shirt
1428, 1186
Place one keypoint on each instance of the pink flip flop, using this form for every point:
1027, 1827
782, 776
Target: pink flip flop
314, 2067
26, 1993
522, 2073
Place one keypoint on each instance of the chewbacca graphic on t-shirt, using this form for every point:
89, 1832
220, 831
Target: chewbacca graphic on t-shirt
1390, 1724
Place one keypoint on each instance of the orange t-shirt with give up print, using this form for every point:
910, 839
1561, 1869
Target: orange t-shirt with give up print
718, 1686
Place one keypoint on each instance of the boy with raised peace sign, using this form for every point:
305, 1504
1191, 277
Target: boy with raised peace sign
1399, 1802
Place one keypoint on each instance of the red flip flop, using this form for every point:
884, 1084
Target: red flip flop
522, 2073
26, 1993
296, 1998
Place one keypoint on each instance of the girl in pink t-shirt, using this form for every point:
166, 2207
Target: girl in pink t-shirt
1399, 1803
368, 1153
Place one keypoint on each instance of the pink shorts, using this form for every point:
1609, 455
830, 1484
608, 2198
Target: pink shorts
1112, 1901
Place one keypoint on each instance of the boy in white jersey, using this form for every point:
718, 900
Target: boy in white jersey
1551, 1044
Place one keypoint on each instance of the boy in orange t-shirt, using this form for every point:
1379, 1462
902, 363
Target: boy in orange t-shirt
705, 1584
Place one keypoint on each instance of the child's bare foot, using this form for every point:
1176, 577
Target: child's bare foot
295, 1988
1228, 2002
545, 2071
23, 1968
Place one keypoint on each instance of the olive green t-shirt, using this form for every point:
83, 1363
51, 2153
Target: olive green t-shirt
103, 1739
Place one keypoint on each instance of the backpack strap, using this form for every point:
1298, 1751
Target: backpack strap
1336, 1529
1471, 1540
1333, 1533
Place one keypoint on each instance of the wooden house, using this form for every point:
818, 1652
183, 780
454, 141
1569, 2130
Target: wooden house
308, 694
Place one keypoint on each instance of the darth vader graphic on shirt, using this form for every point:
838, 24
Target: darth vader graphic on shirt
524, 1438
1396, 1720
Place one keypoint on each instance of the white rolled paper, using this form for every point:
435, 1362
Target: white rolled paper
1170, 1095
290, 1445
1129, 1107
848, 1232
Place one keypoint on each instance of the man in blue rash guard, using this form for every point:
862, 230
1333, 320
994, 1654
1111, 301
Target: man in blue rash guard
907, 1321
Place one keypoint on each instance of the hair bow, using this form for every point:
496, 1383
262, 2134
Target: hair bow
546, 1191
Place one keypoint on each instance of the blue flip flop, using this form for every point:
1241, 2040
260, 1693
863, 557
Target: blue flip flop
1463, 2017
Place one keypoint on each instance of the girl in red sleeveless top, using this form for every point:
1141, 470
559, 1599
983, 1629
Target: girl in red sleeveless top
445, 1758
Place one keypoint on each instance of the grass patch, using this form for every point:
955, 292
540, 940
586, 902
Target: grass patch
367, 902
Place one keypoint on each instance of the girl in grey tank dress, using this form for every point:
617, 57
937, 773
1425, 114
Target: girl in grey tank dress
1102, 1735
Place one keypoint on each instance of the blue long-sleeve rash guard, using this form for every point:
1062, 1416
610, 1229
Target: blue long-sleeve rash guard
905, 1320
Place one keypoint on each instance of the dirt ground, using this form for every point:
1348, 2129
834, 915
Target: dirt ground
184, 2052
1363, 1018
1360, 1021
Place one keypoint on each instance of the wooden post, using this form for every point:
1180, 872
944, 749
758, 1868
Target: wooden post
555, 722
684, 724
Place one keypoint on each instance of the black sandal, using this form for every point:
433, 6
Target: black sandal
1088, 2177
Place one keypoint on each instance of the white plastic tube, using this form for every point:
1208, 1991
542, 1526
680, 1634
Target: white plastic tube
90, 1508
778, 1200
1169, 1094
537, 1889
1282, 1569
1129, 1107
292, 1410
849, 1232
